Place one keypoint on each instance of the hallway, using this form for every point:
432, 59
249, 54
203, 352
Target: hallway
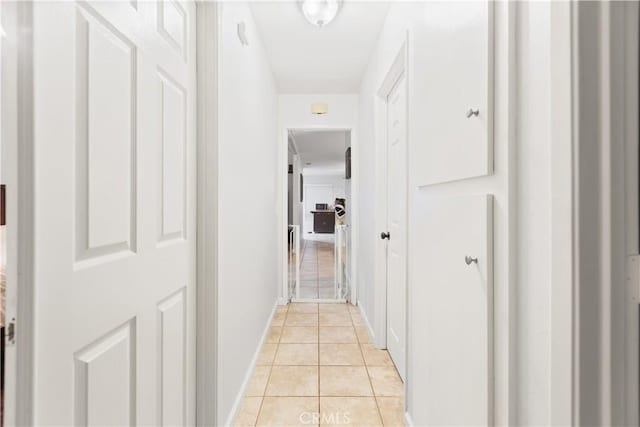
317, 268
318, 366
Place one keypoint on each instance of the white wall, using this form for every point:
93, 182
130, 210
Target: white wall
247, 212
336, 181
522, 339
294, 112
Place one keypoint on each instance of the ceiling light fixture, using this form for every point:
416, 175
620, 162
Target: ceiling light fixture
320, 12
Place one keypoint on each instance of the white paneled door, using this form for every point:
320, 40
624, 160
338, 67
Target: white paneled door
114, 135
397, 224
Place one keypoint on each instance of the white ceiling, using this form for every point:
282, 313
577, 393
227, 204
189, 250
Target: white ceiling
307, 59
323, 149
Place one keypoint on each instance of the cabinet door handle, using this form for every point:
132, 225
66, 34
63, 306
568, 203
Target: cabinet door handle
385, 235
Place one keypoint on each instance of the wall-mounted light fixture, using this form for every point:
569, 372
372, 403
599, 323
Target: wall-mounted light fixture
319, 108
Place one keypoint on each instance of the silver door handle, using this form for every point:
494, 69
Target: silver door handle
469, 260
472, 112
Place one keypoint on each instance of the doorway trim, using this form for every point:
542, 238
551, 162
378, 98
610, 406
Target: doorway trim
207, 142
282, 208
17, 148
396, 71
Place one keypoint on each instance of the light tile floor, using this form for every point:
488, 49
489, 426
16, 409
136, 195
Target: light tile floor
318, 367
317, 269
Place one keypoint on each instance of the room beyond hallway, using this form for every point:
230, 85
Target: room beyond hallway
318, 366
317, 268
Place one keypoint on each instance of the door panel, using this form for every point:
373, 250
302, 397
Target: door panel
397, 224
173, 101
105, 379
105, 119
451, 310
173, 358
114, 136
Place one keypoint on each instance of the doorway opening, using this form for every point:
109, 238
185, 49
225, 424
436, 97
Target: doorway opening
318, 213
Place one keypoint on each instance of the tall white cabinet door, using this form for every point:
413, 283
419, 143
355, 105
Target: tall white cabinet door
455, 138
451, 306
114, 135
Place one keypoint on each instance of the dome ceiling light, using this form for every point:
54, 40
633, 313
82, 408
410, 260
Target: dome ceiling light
320, 12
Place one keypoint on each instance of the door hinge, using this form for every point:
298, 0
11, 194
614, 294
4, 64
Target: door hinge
11, 332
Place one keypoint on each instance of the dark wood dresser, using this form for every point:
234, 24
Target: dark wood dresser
324, 221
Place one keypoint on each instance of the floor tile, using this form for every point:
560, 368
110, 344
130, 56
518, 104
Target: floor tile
326, 284
392, 411
333, 308
288, 411
297, 354
293, 381
273, 336
344, 381
361, 411
267, 354
358, 320
309, 293
299, 334
375, 357
278, 318
363, 335
295, 319
258, 381
303, 308
317, 271
386, 381
326, 293
248, 413
335, 319
340, 354
338, 334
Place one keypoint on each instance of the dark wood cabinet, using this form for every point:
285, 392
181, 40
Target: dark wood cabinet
323, 221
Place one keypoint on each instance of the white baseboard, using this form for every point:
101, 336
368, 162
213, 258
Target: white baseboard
372, 334
407, 420
237, 403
